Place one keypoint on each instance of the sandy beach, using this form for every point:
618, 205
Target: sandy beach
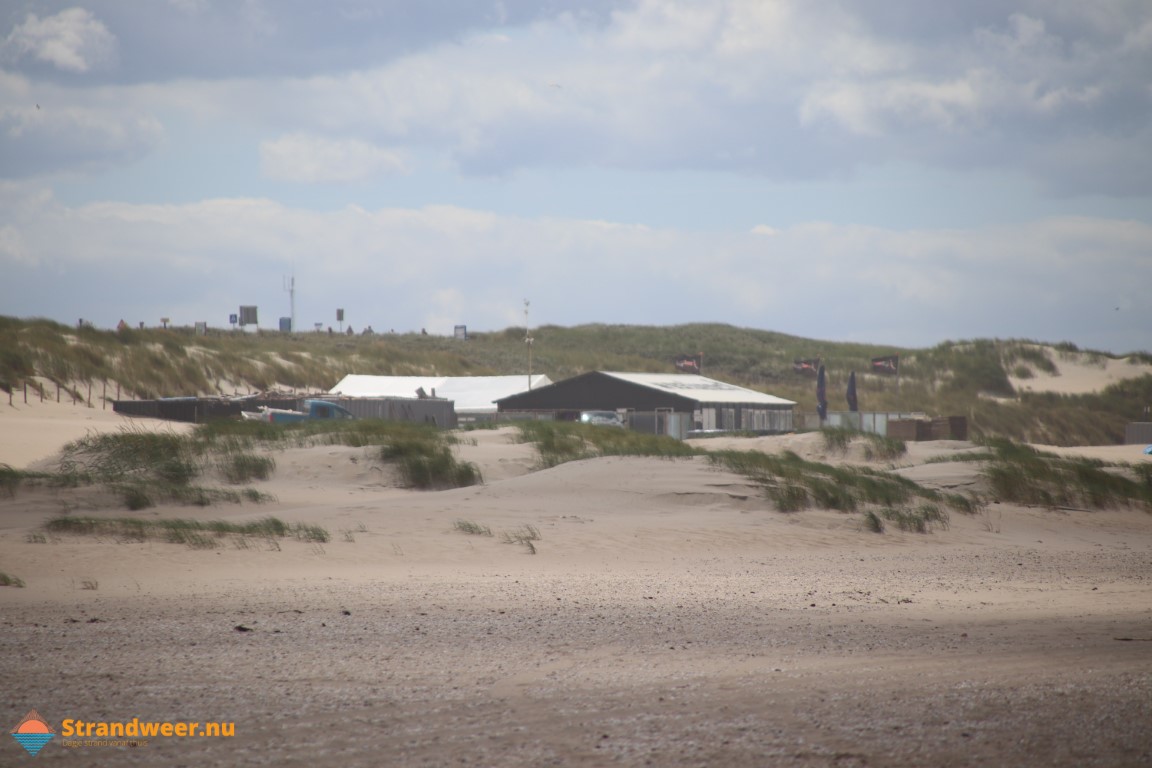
669, 617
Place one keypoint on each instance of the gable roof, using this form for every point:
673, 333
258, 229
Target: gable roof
600, 390
472, 394
699, 388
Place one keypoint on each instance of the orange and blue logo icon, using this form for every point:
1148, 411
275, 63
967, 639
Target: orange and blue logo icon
33, 732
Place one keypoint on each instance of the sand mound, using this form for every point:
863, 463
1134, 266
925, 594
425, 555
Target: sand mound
665, 614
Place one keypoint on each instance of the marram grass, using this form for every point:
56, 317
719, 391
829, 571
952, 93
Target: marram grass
197, 534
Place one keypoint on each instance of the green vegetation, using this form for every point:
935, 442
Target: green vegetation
920, 519
969, 378
790, 482
1023, 475
7, 580
525, 535
877, 447
472, 528
558, 442
794, 484
9, 480
192, 533
423, 454
425, 458
144, 468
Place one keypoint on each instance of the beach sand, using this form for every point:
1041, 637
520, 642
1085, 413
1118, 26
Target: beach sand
669, 617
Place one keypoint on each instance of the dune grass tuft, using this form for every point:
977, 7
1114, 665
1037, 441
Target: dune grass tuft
472, 528
1022, 474
8, 580
197, 534
560, 442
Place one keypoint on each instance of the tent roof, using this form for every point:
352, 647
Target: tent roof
471, 394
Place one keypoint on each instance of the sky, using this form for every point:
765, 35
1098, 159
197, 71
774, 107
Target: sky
901, 173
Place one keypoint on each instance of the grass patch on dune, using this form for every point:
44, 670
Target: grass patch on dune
10, 480
876, 447
794, 484
472, 528
424, 455
145, 468
425, 458
8, 580
560, 442
197, 534
239, 468
1022, 474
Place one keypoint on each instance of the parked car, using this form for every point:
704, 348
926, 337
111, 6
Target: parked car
602, 418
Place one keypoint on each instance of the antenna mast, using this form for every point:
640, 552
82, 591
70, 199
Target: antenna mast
528, 341
290, 286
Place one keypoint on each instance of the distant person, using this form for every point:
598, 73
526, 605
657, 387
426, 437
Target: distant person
423, 332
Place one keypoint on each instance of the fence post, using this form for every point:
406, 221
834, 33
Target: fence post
57, 391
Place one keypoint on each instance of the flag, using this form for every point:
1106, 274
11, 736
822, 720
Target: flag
888, 365
821, 394
852, 404
689, 363
806, 365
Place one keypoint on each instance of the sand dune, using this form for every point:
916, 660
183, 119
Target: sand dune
669, 617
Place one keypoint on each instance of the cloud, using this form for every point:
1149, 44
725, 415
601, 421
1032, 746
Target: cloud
73, 40
312, 159
778, 90
406, 268
46, 130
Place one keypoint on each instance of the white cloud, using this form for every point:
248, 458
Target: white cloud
47, 129
313, 159
406, 268
73, 40
12, 248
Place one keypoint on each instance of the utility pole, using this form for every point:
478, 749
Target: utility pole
528, 342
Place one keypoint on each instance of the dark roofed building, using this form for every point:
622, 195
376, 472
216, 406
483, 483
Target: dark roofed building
664, 403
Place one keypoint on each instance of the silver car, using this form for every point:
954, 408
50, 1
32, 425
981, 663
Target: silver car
602, 418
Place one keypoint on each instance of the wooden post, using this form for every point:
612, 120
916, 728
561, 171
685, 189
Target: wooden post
89, 393
104, 397
25, 393
57, 391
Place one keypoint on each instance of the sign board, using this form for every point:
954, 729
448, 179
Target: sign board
339, 315
285, 325
461, 332
248, 316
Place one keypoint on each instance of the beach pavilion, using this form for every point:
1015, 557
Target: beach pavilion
659, 403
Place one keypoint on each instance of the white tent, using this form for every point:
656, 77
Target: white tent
471, 394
